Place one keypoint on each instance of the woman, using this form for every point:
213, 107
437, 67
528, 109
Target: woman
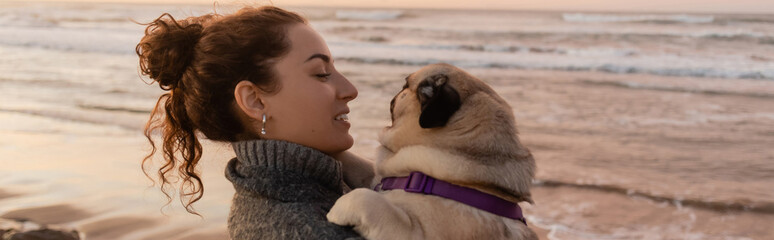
263, 80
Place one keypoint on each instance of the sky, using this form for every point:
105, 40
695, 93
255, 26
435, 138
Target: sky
681, 6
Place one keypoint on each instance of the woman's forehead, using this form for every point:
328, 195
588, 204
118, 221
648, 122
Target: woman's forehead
305, 42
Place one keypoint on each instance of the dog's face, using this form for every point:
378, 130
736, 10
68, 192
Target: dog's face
445, 108
427, 101
428, 93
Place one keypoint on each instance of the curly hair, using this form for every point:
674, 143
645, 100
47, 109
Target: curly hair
198, 61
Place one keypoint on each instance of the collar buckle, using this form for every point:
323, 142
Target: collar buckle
419, 183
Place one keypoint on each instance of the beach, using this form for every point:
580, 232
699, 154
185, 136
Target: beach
643, 126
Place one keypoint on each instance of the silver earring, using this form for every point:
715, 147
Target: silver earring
263, 128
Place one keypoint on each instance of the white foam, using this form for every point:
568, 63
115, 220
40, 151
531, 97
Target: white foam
368, 15
613, 18
72, 39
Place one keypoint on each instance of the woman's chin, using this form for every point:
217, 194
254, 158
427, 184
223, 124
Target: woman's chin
339, 145
347, 142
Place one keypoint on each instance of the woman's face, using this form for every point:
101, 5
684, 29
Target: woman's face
311, 105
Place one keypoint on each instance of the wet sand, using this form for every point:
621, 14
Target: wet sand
611, 150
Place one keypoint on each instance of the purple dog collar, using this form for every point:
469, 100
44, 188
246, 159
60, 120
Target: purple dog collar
418, 182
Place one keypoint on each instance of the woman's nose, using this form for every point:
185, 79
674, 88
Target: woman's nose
346, 90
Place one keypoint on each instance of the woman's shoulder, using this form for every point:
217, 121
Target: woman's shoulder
263, 218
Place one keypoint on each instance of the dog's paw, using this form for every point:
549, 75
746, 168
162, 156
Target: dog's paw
349, 209
342, 215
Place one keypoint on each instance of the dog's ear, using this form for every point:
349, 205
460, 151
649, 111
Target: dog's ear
438, 99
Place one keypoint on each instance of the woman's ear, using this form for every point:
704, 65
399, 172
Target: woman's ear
248, 97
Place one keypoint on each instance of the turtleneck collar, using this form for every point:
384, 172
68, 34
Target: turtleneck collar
283, 170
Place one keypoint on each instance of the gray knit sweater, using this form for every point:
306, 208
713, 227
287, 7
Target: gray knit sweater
283, 191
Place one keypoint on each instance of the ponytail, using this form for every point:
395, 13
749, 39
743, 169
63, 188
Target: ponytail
165, 53
199, 61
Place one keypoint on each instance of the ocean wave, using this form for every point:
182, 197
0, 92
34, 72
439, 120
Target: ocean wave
747, 18
495, 48
368, 15
113, 108
53, 18
633, 85
753, 37
618, 18
738, 205
25, 20
609, 68
76, 40
686, 72
736, 35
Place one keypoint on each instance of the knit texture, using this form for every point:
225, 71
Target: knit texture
283, 191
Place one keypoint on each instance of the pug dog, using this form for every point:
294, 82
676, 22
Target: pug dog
451, 165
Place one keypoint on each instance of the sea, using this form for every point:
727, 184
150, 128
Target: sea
71, 69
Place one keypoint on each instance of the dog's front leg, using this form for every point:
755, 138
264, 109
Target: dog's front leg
373, 216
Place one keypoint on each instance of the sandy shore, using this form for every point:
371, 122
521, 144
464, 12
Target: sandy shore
95, 186
93, 183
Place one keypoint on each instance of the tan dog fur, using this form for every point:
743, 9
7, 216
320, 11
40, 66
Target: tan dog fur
477, 148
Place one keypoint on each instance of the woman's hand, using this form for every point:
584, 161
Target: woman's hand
358, 171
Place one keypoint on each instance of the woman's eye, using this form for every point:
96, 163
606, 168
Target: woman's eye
323, 76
